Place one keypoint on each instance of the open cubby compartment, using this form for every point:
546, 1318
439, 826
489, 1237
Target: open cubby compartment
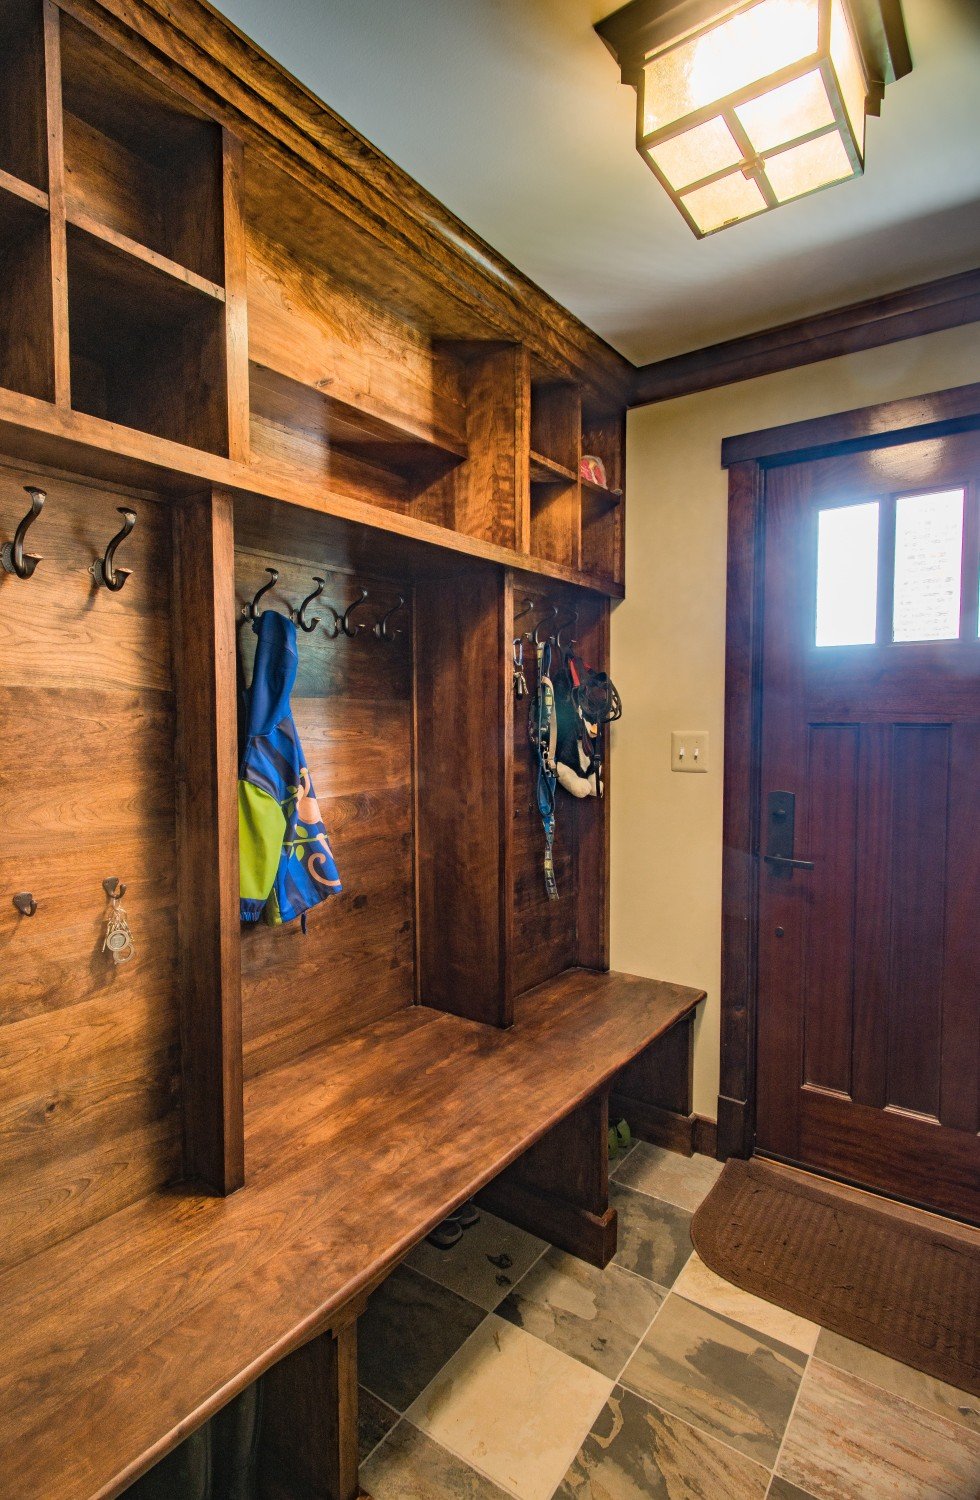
551, 936
26, 326
555, 425
603, 434
139, 161
23, 129
147, 348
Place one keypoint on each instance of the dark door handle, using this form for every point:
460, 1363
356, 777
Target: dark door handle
782, 863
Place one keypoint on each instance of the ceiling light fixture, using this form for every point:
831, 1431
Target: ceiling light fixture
743, 105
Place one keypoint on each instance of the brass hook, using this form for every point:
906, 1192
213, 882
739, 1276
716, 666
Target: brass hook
103, 570
251, 611
300, 614
345, 617
13, 558
25, 902
381, 628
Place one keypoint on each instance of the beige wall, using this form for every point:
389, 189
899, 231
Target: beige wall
668, 650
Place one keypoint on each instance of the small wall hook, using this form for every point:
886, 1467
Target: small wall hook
300, 614
536, 638
382, 629
25, 903
345, 617
13, 558
570, 624
103, 569
113, 889
251, 611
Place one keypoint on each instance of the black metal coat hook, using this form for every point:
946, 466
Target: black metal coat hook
570, 624
538, 639
13, 558
25, 903
250, 611
382, 629
300, 614
103, 570
113, 889
345, 617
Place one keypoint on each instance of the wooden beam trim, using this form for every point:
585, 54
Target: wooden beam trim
925, 308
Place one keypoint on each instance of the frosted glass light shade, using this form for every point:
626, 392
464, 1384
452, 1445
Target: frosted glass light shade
762, 104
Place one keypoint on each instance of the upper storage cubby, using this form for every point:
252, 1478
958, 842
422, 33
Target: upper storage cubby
23, 133
139, 162
555, 425
26, 345
603, 437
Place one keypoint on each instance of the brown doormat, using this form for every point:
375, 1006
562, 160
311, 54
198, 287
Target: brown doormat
900, 1281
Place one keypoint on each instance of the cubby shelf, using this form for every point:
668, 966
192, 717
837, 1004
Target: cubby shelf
600, 494
550, 471
83, 220
26, 330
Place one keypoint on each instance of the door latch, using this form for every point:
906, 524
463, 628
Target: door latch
780, 835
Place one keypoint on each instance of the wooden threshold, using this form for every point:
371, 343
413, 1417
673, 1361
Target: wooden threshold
126, 1337
32, 430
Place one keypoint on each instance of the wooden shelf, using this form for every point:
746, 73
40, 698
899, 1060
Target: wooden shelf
146, 346
173, 1305
82, 219
600, 494
549, 471
14, 187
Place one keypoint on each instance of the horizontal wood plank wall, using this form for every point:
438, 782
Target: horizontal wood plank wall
352, 706
89, 1100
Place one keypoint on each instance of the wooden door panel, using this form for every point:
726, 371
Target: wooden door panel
868, 1046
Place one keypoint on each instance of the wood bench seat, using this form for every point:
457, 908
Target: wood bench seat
121, 1340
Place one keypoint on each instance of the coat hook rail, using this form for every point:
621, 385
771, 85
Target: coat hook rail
335, 622
13, 558
104, 570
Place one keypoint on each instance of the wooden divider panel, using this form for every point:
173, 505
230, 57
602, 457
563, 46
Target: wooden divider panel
353, 709
90, 1084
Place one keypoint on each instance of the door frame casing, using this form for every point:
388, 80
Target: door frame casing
747, 459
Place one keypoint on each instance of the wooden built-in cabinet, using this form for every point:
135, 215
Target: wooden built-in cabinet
221, 308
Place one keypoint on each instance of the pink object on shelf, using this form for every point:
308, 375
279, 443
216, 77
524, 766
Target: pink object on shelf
593, 470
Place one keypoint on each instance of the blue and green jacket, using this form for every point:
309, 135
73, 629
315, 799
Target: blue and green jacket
287, 865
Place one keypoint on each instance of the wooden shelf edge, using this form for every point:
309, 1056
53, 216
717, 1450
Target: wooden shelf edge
601, 493
26, 191
81, 219
32, 430
546, 470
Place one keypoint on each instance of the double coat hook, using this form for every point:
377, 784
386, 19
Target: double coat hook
104, 570
13, 558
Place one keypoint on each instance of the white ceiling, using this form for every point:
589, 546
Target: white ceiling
511, 112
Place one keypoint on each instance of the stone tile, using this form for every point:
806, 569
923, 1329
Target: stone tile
375, 1418
924, 1390
781, 1489
654, 1237
849, 1440
513, 1407
733, 1383
411, 1327
699, 1284
410, 1466
484, 1265
637, 1452
596, 1316
684, 1180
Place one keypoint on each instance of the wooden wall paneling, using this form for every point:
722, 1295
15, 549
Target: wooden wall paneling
352, 705
654, 1092
90, 1097
593, 815
462, 671
207, 822
559, 1189
236, 294
490, 488
309, 1440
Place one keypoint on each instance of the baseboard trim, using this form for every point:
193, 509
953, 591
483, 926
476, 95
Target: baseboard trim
666, 1127
592, 1237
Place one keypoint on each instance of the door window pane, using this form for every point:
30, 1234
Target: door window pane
928, 558
847, 575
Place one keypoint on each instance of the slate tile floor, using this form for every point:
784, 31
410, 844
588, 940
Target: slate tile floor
503, 1368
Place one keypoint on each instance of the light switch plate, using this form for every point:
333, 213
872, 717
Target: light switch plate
689, 750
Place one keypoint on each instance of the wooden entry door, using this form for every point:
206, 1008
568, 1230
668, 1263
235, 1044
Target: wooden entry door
868, 1050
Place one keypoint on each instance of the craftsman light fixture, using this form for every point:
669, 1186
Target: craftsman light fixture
743, 105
